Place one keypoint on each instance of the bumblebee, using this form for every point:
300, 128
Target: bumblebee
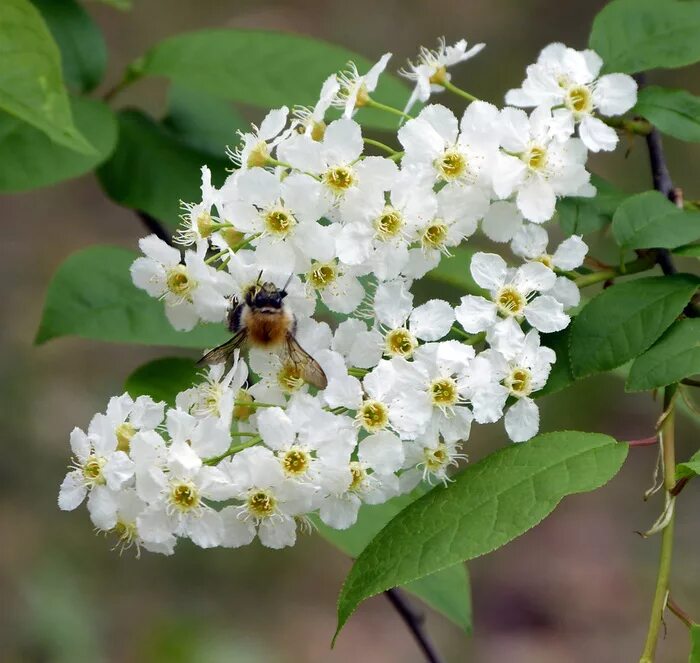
263, 320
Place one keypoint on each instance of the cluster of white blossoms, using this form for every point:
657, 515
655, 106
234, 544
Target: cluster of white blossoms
253, 450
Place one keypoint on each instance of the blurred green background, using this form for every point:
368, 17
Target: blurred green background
577, 588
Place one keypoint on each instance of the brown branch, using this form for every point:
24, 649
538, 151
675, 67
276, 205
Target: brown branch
154, 226
414, 621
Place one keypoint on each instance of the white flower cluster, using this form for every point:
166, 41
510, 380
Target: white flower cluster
253, 449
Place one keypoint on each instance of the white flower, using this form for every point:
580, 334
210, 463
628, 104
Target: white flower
429, 461
256, 146
179, 507
311, 121
354, 89
502, 220
530, 242
215, 396
337, 285
208, 436
191, 292
343, 390
402, 325
538, 163
346, 180
430, 70
197, 222
99, 467
269, 502
359, 346
281, 217
569, 81
452, 152
523, 366
514, 293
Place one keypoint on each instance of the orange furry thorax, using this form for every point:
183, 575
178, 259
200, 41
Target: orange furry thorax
267, 329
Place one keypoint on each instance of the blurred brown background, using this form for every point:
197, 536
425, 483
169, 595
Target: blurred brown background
575, 589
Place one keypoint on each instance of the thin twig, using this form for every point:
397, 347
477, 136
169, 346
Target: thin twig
414, 620
679, 612
644, 442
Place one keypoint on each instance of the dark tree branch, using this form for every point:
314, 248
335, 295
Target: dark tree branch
156, 227
414, 621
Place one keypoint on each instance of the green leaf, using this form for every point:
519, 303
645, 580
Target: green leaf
204, 122
635, 35
676, 355
35, 160
621, 322
649, 220
91, 295
581, 216
266, 69
694, 644
690, 250
560, 376
690, 468
31, 84
454, 271
486, 506
447, 591
162, 379
123, 5
82, 46
153, 170
675, 112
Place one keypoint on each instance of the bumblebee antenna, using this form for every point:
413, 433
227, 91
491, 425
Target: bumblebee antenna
284, 287
259, 276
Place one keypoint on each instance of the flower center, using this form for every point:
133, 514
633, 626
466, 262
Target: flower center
124, 433
444, 392
290, 377
359, 475
436, 459
451, 165
546, 260
536, 158
211, 397
244, 407
126, 533
388, 224
295, 462
279, 222
439, 76
92, 470
373, 416
179, 282
510, 301
579, 99
400, 343
322, 274
184, 496
434, 235
519, 382
258, 156
261, 503
232, 237
339, 179
205, 224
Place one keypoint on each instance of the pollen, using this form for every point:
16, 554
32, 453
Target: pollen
290, 377
546, 260
444, 392
184, 496
359, 476
435, 235
339, 179
127, 535
451, 165
436, 459
261, 503
279, 222
519, 382
439, 76
179, 282
322, 275
124, 432
536, 158
400, 343
259, 155
389, 224
373, 416
579, 99
510, 301
92, 470
295, 462
210, 399
244, 406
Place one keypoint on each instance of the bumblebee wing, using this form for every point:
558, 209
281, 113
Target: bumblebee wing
225, 350
310, 369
